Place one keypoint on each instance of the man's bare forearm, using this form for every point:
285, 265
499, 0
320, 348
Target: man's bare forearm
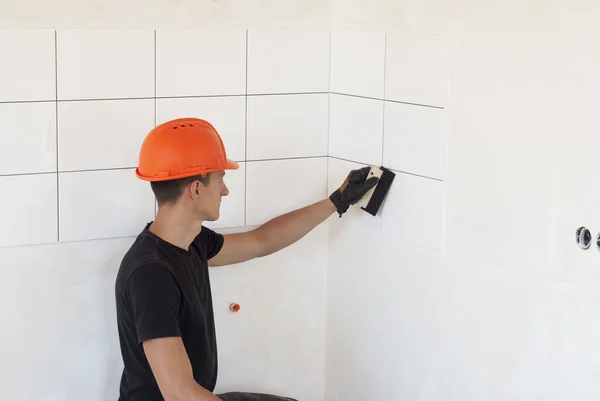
197, 393
288, 228
192, 391
173, 371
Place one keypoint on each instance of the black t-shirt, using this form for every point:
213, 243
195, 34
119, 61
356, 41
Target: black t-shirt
162, 290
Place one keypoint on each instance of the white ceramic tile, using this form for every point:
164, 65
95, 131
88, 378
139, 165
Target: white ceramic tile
233, 205
282, 126
288, 61
413, 211
279, 186
415, 139
416, 68
356, 128
337, 172
357, 62
27, 137
28, 67
200, 62
103, 204
227, 114
102, 134
105, 64
28, 211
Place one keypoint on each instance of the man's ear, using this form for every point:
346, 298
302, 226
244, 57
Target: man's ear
195, 189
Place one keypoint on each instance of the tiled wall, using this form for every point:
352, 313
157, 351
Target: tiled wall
75, 106
297, 109
388, 107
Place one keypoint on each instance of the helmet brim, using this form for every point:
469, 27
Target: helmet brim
231, 165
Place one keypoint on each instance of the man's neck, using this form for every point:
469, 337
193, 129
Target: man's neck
174, 226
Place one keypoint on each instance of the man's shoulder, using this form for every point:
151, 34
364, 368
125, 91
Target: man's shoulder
143, 252
207, 234
208, 242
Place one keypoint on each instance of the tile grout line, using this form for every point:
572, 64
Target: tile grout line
28, 174
288, 93
202, 96
329, 113
384, 103
246, 139
155, 78
93, 170
394, 170
388, 100
57, 136
328, 161
286, 158
90, 100
348, 160
154, 202
116, 99
29, 101
384, 78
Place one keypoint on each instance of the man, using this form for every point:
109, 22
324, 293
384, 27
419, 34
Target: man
163, 295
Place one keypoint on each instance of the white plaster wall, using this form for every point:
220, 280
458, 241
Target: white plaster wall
506, 308
59, 338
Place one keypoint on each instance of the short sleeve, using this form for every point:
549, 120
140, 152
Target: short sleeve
210, 241
155, 301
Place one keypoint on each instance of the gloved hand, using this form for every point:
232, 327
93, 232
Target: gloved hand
352, 189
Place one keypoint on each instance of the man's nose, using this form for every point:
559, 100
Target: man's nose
224, 190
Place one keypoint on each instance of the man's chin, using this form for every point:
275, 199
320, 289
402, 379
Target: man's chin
212, 218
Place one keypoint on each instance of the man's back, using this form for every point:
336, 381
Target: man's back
162, 290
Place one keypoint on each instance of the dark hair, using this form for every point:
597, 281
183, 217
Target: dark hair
169, 191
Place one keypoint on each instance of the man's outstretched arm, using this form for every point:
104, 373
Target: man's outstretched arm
284, 230
272, 236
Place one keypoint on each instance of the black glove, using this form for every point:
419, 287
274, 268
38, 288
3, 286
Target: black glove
353, 189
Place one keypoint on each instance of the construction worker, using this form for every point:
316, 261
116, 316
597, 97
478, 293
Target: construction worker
163, 295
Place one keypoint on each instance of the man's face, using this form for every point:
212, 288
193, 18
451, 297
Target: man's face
210, 196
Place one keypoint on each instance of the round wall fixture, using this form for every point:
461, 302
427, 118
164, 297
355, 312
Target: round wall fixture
598, 242
583, 238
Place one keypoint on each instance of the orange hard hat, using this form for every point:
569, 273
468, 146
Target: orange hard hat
182, 148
